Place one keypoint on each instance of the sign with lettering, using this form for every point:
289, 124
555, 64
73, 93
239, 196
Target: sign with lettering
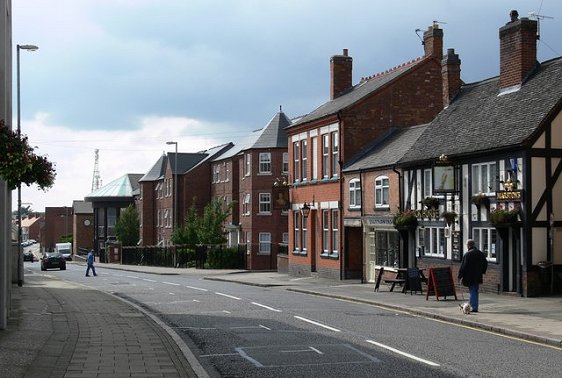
509, 195
440, 283
457, 240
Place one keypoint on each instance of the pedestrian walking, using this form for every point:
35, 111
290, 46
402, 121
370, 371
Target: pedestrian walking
473, 266
90, 262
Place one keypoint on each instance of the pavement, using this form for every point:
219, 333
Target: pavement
59, 329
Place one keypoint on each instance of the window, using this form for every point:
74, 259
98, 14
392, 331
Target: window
386, 246
247, 164
265, 243
285, 238
296, 158
326, 155
433, 241
485, 240
355, 193
315, 158
166, 218
227, 172
217, 173
111, 220
304, 159
265, 162
335, 154
246, 204
326, 231
168, 187
427, 181
381, 191
265, 202
304, 225
297, 230
483, 178
335, 232
285, 162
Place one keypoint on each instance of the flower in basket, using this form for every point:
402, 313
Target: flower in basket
503, 216
480, 199
405, 218
18, 163
449, 216
430, 202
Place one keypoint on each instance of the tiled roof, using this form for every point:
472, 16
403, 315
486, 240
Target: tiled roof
387, 150
186, 161
358, 92
122, 187
480, 120
274, 135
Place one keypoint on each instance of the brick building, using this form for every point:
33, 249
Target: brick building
58, 222
82, 227
323, 141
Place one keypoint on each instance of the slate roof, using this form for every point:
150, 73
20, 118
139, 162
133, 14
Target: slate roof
186, 161
123, 187
387, 150
478, 120
359, 91
274, 134
82, 207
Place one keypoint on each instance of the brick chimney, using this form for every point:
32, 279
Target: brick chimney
341, 67
451, 74
518, 50
433, 41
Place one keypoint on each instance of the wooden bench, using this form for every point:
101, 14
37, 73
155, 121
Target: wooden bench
393, 281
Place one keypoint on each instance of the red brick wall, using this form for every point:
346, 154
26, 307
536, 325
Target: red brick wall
83, 235
518, 51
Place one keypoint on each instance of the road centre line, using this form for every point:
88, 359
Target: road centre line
403, 353
266, 307
318, 324
196, 288
135, 277
228, 296
148, 280
171, 283
262, 326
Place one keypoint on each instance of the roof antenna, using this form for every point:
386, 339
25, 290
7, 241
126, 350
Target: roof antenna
539, 17
418, 31
280, 109
437, 23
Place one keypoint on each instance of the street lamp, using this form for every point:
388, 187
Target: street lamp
175, 176
20, 256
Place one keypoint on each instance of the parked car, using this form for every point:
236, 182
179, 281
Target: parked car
28, 256
53, 260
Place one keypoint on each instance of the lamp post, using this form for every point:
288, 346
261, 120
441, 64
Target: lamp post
20, 256
175, 176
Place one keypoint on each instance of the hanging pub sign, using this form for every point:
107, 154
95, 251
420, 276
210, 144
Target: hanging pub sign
444, 176
509, 195
281, 197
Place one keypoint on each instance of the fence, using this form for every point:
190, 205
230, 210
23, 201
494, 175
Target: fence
203, 257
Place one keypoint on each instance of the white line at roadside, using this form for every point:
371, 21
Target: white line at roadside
403, 353
226, 295
318, 324
266, 307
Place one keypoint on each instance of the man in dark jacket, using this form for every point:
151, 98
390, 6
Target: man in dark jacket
473, 266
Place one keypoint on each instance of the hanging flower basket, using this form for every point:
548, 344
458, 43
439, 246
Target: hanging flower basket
481, 199
503, 218
405, 220
449, 217
430, 202
18, 163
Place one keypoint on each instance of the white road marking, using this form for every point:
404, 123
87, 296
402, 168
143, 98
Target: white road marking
316, 350
226, 312
266, 307
226, 295
196, 288
262, 326
172, 293
148, 280
138, 278
318, 324
171, 283
195, 300
403, 353
310, 349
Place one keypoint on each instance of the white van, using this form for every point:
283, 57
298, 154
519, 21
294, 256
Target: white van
65, 249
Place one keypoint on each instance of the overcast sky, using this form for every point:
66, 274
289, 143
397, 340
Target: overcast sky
125, 76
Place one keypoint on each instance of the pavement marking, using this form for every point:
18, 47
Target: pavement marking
226, 312
219, 355
266, 307
196, 288
318, 324
262, 326
172, 293
171, 283
148, 280
309, 349
245, 355
195, 300
138, 278
403, 353
228, 296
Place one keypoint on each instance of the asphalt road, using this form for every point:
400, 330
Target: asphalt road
239, 330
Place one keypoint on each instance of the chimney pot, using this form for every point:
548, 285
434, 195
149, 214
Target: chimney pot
344, 52
514, 15
341, 67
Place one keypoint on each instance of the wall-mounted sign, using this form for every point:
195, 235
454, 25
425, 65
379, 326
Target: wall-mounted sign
444, 179
509, 195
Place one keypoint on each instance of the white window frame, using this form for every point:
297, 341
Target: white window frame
326, 155
285, 167
216, 173
485, 239
297, 220
484, 185
265, 243
247, 164
166, 218
427, 183
304, 160
314, 158
335, 153
265, 203
434, 241
355, 193
326, 231
297, 162
246, 204
380, 189
285, 238
265, 163
335, 231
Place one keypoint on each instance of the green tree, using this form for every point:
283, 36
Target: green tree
127, 227
188, 234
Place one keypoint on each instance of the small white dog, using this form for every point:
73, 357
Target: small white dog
465, 308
